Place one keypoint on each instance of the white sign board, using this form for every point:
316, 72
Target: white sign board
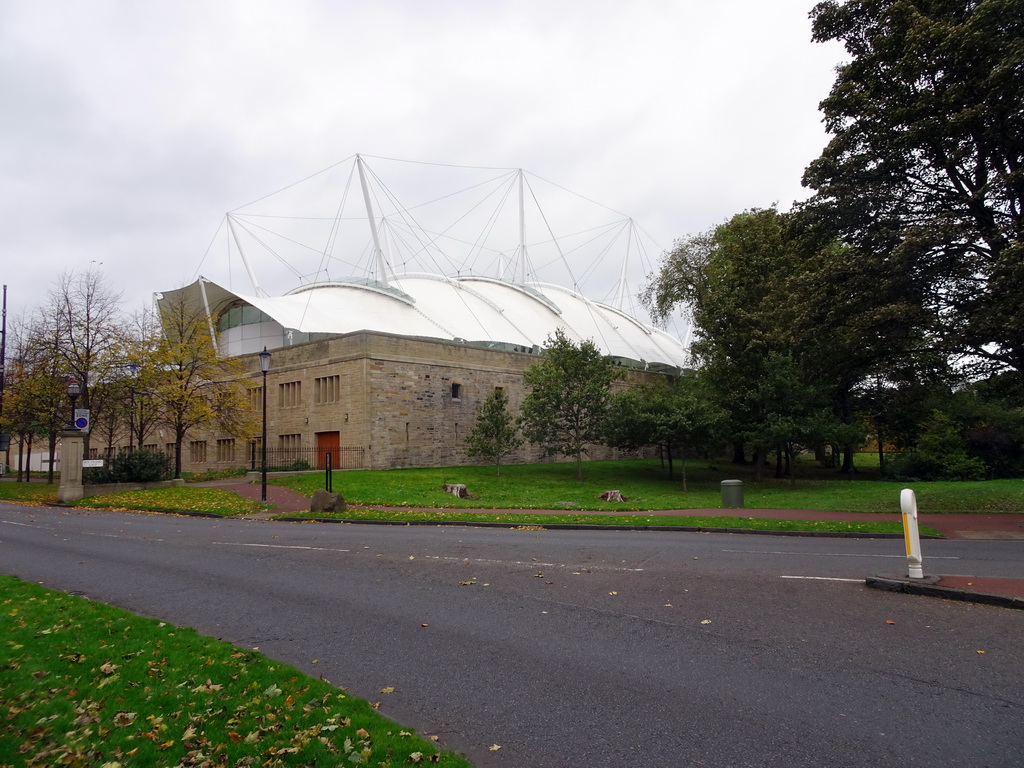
92, 463
82, 419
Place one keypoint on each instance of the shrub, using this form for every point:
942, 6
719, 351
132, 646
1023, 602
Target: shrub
136, 466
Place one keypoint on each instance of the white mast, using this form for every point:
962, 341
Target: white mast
522, 232
382, 274
620, 298
248, 267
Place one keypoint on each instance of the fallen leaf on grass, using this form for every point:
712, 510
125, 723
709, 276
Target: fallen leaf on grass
208, 687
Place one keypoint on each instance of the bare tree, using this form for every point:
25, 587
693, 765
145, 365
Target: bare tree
83, 323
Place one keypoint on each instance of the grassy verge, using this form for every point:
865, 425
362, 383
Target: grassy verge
86, 684
540, 520
182, 499
647, 487
44, 493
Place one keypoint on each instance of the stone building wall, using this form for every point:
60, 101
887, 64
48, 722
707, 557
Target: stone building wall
391, 401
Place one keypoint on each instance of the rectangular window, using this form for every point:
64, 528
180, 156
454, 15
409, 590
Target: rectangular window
456, 391
226, 450
169, 449
152, 447
289, 442
289, 394
256, 398
326, 389
197, 451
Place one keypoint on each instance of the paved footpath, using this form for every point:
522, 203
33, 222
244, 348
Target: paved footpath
954, 526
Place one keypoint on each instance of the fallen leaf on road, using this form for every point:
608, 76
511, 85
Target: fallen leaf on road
706, 621
494, 747
980, 651
889, 621
388, 689
613, 593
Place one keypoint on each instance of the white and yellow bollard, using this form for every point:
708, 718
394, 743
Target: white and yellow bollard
908, 504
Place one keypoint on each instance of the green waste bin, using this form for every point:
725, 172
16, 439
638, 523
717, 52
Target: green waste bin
732, 494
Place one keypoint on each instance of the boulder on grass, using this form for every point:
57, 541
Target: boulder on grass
456, 489
612, 496
325, 501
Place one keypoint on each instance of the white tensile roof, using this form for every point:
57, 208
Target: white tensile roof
475, 310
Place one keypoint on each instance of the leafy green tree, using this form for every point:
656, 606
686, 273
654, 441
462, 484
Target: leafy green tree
570, 388
673, 413
923, 175
496, 434
737, 283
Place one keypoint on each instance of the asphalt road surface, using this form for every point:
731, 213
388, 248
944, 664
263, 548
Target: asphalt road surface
581, 648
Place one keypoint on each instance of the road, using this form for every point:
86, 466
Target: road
581, 648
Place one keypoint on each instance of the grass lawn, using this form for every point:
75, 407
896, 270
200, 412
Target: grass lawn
182, 499
44, 493
647, 487
86, 684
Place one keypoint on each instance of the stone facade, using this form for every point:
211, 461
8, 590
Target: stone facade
377, 401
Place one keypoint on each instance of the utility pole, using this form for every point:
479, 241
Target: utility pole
5, 439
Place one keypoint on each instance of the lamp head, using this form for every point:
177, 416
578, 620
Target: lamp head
264, 360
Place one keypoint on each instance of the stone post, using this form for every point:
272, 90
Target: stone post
72, 451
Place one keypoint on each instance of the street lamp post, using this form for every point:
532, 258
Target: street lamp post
131, 408
264, 367
74, 390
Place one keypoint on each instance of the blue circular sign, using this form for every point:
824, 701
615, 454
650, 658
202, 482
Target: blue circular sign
81, 422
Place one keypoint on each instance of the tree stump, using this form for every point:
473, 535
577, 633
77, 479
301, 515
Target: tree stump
612, 496
456, 489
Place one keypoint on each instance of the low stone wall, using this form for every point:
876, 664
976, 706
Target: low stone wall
101, 489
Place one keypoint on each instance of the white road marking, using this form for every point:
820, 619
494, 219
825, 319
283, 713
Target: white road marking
822, 578
23, 525
823, 554
531, 563
278, 546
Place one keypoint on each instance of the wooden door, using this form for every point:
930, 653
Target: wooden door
328, 442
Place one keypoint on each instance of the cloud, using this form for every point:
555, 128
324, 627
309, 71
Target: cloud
131, 128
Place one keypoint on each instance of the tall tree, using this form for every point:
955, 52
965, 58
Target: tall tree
570, 388
925, 170
496, 433
195, 386
736, 282
82, 322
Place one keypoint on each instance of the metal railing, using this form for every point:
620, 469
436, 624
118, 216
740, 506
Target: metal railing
298, 459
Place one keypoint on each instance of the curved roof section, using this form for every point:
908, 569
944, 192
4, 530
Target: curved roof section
476, 310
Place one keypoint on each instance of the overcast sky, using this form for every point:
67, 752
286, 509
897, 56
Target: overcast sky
129, 128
